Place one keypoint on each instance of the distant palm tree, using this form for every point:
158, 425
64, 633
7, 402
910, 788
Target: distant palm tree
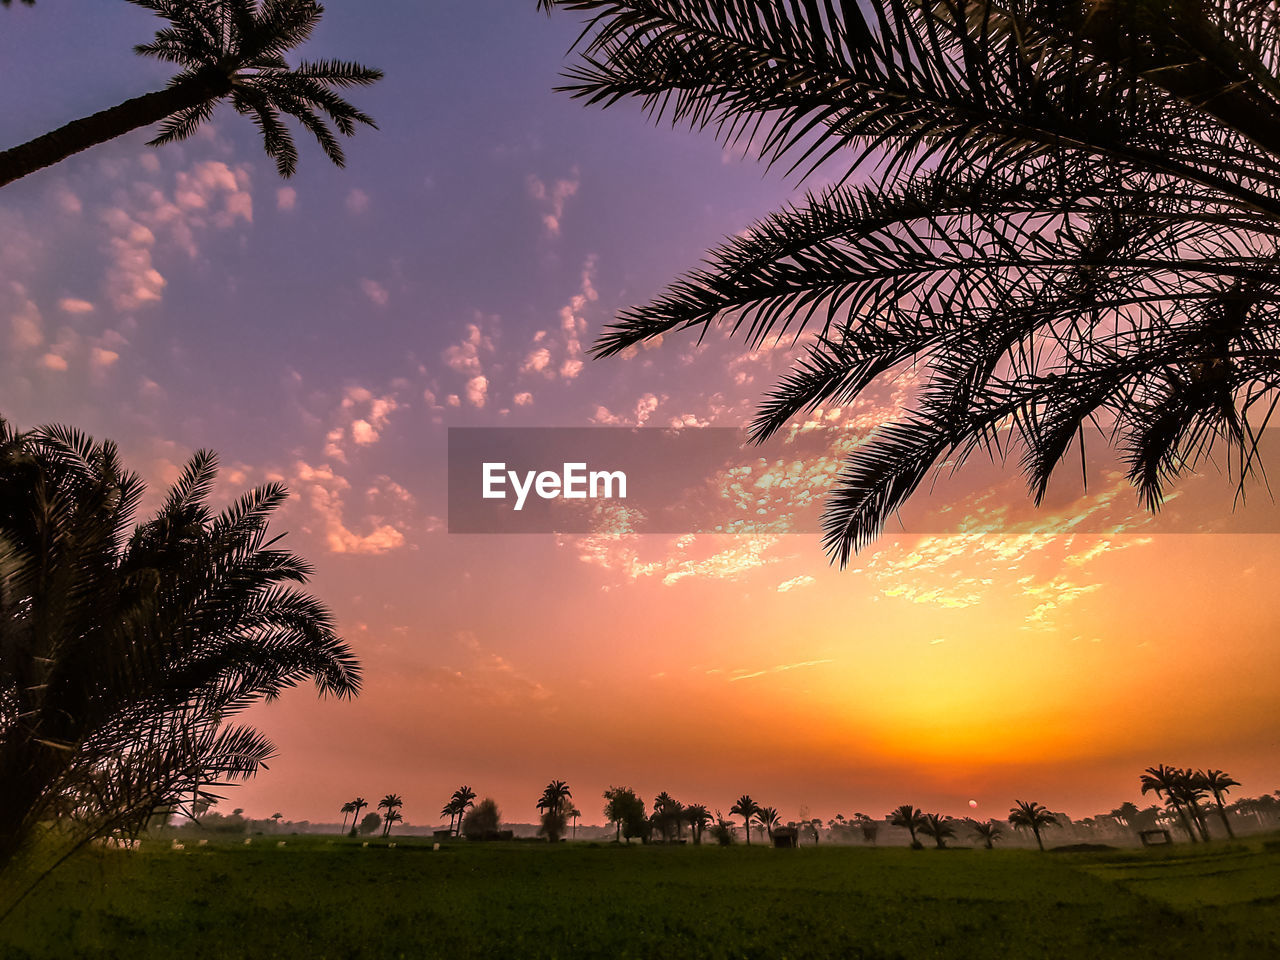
347, 808
908, 817
462, 800
226, 49
393, 817
1220, 784
746, 808
390, 803
554, 796
768, 818
988, 831
937, 827
1167, 784
699, 818
358, 804
1031, 816
573, 813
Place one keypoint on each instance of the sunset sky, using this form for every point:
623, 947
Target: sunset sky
329, 330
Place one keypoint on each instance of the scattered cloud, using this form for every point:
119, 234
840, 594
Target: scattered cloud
551, 199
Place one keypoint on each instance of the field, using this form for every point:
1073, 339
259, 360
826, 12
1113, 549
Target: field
325, 900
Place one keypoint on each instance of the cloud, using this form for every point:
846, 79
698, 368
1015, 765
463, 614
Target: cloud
74, 306
524, 399
132, 279
323, 490
26, 325
795, 583
465, 357
375, 291
101, 359
780, 668
51, 361
477, 390
286, 199
357, 202
551, 199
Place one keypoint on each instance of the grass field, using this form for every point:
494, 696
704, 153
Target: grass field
323, 900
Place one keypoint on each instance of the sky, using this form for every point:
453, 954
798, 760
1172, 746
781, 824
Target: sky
328, 331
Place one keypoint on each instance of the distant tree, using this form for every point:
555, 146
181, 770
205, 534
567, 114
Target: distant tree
462, 800
698, 817
625, 809
722, 830
391, 819
937, 827
358, 804
573, 813
746, 808
988, 831
1169, 784
390, 803
276, 818
553, 802
347, 808
1126, 814
909, 818
768, 818
1031, 816
370, 824
227, 50
870, 828
482, 821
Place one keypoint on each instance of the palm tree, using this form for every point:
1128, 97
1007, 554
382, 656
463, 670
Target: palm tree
1166, 782
554, 796
347, 808
390, 803
127, 651
573, 813
358, 804
462, 800
1073, 218
1219, 784
909, 818
393, 817
1190, 789
988, 831
1031, 816
768, 818
226, 50
746, 808
937, 827
699, 818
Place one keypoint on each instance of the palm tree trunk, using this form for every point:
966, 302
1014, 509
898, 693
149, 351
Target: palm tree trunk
1222, 814
1186, 823
747, 821
1039, 842
87, 132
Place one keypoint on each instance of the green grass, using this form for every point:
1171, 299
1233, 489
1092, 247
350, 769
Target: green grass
330, 900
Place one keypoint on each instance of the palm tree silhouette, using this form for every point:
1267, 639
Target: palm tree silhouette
699, 818
908, 817
1219, 784
768, 818
128, 650
1140, 139
346, 808
393, 817
1167, 784
746, 808
938, 828
554, 796
390, 803
358, 804
462, 800
225, 49
988, 831
1031, 816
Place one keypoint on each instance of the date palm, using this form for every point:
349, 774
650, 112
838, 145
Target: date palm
231, 50
127, 650
358, 804
1219, 784
768, 818
909, 818
1029, 815
1060, 215
988, 831
462, 800
699, 818
554, 797
390, 803
347, 809
1166, 783
746, 808
939, 828
391, 819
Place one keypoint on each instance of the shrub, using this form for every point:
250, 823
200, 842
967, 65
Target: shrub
722, 832
482, 821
